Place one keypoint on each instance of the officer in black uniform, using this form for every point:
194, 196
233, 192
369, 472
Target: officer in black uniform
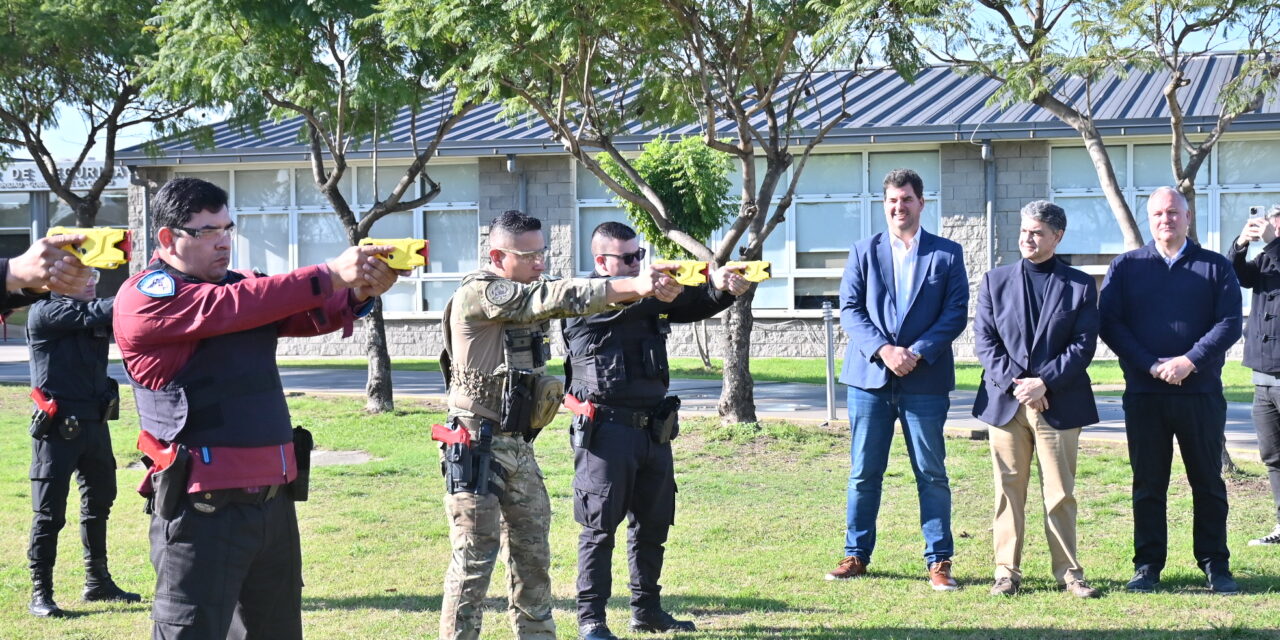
69, 336
617, 361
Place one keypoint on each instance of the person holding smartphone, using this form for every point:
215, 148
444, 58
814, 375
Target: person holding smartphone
1261, 348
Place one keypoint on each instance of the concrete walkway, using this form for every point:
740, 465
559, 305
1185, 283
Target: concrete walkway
777, 400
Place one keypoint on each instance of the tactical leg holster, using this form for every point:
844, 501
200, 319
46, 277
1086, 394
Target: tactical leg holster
472, 469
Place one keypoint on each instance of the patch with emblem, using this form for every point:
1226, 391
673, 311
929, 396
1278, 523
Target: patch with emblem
157, 284
500, 292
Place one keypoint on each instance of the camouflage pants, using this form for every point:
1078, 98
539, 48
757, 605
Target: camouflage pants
481, 526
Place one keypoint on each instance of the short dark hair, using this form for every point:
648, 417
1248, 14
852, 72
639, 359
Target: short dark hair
181, 198
902, 177
515, 222
1046, 212
614, 230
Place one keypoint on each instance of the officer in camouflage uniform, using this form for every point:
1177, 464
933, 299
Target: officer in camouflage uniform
495, 329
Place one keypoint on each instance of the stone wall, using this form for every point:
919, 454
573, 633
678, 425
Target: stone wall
1022, 175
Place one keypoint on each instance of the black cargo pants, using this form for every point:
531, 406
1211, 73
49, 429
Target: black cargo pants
622, 473
53, 460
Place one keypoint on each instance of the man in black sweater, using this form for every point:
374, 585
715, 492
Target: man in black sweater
617, 360
1170, 311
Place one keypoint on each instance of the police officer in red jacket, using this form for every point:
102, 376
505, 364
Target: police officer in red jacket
199, 345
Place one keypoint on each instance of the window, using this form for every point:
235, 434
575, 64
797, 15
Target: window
837, 203
15, 223
285, 222
1239, 174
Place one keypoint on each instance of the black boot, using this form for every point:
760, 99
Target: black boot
42, 603
99, 586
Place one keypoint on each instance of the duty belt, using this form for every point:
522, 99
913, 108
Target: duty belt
634, 418
256, 495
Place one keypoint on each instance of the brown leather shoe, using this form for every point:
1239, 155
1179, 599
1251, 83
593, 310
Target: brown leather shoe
1081, 589
849, 568
940, 576
1005, 587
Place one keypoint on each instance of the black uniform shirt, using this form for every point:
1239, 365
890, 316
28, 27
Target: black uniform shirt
69, 341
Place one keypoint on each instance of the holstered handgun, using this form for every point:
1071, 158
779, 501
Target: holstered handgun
666, 420
584, 421
303, 443
169, 485
468, 464
45, 414
517, 403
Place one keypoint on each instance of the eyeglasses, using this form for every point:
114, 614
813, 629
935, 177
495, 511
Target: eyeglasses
537, 255
627, 258
209, 233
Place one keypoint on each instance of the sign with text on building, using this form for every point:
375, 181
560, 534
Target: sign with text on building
25, 176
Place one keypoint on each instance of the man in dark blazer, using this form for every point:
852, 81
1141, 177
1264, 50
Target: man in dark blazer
904, 298
1034, 345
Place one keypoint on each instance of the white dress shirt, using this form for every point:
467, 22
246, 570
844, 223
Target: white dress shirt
904, 274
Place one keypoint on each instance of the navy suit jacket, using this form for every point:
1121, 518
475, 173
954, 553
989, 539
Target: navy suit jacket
1057, 350
937, 311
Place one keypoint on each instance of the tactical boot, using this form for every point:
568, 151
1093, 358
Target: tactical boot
659, 621
42, 603
98, 585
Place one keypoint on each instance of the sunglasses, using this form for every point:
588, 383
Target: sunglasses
627, 258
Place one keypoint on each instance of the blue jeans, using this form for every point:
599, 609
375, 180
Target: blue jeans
872, 414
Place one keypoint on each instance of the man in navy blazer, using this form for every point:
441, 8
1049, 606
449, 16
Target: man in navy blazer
904, 298
1035, 345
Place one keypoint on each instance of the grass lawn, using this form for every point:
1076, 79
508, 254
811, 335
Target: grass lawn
1235, 377
760, 519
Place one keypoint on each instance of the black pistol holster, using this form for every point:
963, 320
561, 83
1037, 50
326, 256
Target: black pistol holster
44, 418
169, 485
111, 402
666, 420
303, 443
517, 404
470, 469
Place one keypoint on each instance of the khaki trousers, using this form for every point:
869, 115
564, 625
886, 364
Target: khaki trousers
1012, 447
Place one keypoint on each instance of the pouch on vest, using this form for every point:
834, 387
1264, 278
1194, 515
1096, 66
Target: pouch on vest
303, 443
666, 420
169, 485
547, 394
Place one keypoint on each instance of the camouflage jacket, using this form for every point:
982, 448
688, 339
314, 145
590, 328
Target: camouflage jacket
481, 313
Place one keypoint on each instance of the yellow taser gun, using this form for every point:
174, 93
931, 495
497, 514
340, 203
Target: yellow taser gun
103, 247
690, 272
754, 270
409, 252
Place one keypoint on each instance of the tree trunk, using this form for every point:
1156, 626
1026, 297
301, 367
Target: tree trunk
737, 399
1228, 465
700, 339
378, 388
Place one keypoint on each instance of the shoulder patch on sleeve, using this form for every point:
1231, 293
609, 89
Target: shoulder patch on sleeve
157, 284
500, 292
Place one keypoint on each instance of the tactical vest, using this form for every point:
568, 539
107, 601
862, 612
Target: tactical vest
621, 362
229, 394
479, 386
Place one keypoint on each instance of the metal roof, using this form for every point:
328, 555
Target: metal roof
942, 104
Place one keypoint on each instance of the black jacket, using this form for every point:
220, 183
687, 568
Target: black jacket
1262, 331
69, 340
10, 300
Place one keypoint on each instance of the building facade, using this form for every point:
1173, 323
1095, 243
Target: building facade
980, 164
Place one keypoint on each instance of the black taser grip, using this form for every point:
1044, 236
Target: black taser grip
169, 485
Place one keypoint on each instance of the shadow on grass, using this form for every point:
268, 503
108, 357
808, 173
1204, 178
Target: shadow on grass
397, 601
751, 632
